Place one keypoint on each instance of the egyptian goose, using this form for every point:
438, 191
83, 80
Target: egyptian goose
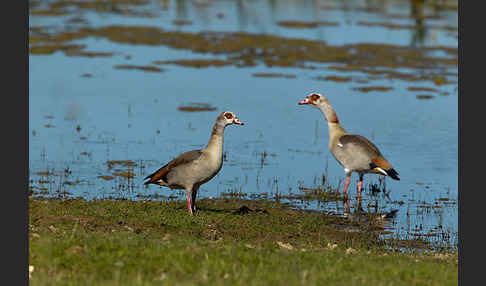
193, 168
354, 152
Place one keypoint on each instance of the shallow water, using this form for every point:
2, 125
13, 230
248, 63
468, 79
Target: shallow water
83, 112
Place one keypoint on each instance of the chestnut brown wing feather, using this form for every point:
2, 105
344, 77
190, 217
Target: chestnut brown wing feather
161, 174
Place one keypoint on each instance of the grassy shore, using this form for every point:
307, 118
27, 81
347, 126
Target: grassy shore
108, 242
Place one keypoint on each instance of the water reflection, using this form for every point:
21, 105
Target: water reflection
260, 17
181, 9
420, 31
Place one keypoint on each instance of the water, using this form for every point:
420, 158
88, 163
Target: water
79, 123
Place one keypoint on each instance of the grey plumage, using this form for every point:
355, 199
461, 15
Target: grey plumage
160, 177
193, 168
354, 152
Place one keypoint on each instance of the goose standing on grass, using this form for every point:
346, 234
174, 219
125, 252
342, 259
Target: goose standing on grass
193, 168
354, 152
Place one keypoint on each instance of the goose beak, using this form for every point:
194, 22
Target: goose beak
237, 121
305, 101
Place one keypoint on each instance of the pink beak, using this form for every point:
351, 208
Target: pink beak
305, 101
237, 121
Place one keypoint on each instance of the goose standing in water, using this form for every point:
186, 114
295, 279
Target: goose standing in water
354, 152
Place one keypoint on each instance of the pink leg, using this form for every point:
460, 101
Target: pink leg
360, 185
346, 184
189, 203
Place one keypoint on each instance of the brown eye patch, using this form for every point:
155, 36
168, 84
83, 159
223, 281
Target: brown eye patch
314, 97
228, 115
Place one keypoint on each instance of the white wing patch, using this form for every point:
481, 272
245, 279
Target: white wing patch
381, 171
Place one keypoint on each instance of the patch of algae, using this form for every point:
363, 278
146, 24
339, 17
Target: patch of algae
142, 68
50, 49
300, 24
274, 75
243, 49
196, 63
106, 6
373, 88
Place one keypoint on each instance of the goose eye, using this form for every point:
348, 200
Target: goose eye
228, 115
314, 97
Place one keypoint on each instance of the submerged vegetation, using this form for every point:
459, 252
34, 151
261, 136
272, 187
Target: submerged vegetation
269, 49
376, 60
196, 63
196, 106
274, 75
299, 24
243, 49
373, 88
142, 68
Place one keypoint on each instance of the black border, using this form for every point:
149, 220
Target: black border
14, 210
471, 150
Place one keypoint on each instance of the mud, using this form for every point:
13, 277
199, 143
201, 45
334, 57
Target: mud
196, 63
142, 68
196, 107
300, 25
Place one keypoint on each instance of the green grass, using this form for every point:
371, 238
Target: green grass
77, 242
